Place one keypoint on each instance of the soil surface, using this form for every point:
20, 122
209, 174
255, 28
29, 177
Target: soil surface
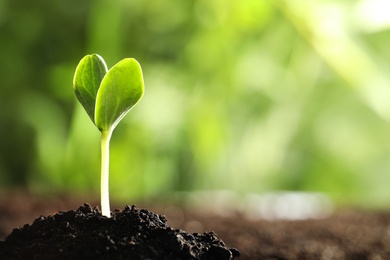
128, 234
347, 234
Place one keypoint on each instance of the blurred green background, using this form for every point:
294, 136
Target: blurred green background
250, 96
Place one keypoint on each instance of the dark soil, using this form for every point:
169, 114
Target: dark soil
128, 234
347, 234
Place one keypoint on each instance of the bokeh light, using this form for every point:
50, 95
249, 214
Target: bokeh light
246, 96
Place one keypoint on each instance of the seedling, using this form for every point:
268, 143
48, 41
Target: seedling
107, 95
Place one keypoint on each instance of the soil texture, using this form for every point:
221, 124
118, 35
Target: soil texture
129, 234
349, 234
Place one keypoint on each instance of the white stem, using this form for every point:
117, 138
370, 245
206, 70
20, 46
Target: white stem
104, 187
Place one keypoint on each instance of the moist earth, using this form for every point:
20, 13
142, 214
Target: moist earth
129, 234
348, 233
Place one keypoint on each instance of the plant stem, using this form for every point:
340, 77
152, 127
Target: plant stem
104, 187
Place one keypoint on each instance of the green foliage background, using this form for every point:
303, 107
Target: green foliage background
250, 96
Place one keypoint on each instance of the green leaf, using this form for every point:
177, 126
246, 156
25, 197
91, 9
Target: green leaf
121, 88
86, 82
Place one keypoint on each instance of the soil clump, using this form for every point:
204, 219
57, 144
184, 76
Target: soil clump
129, 234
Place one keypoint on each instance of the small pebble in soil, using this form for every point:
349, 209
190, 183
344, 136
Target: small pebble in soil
129, 234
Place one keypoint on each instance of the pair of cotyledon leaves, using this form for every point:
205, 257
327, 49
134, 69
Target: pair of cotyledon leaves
107, 95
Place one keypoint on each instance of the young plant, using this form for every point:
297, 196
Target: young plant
107, 95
